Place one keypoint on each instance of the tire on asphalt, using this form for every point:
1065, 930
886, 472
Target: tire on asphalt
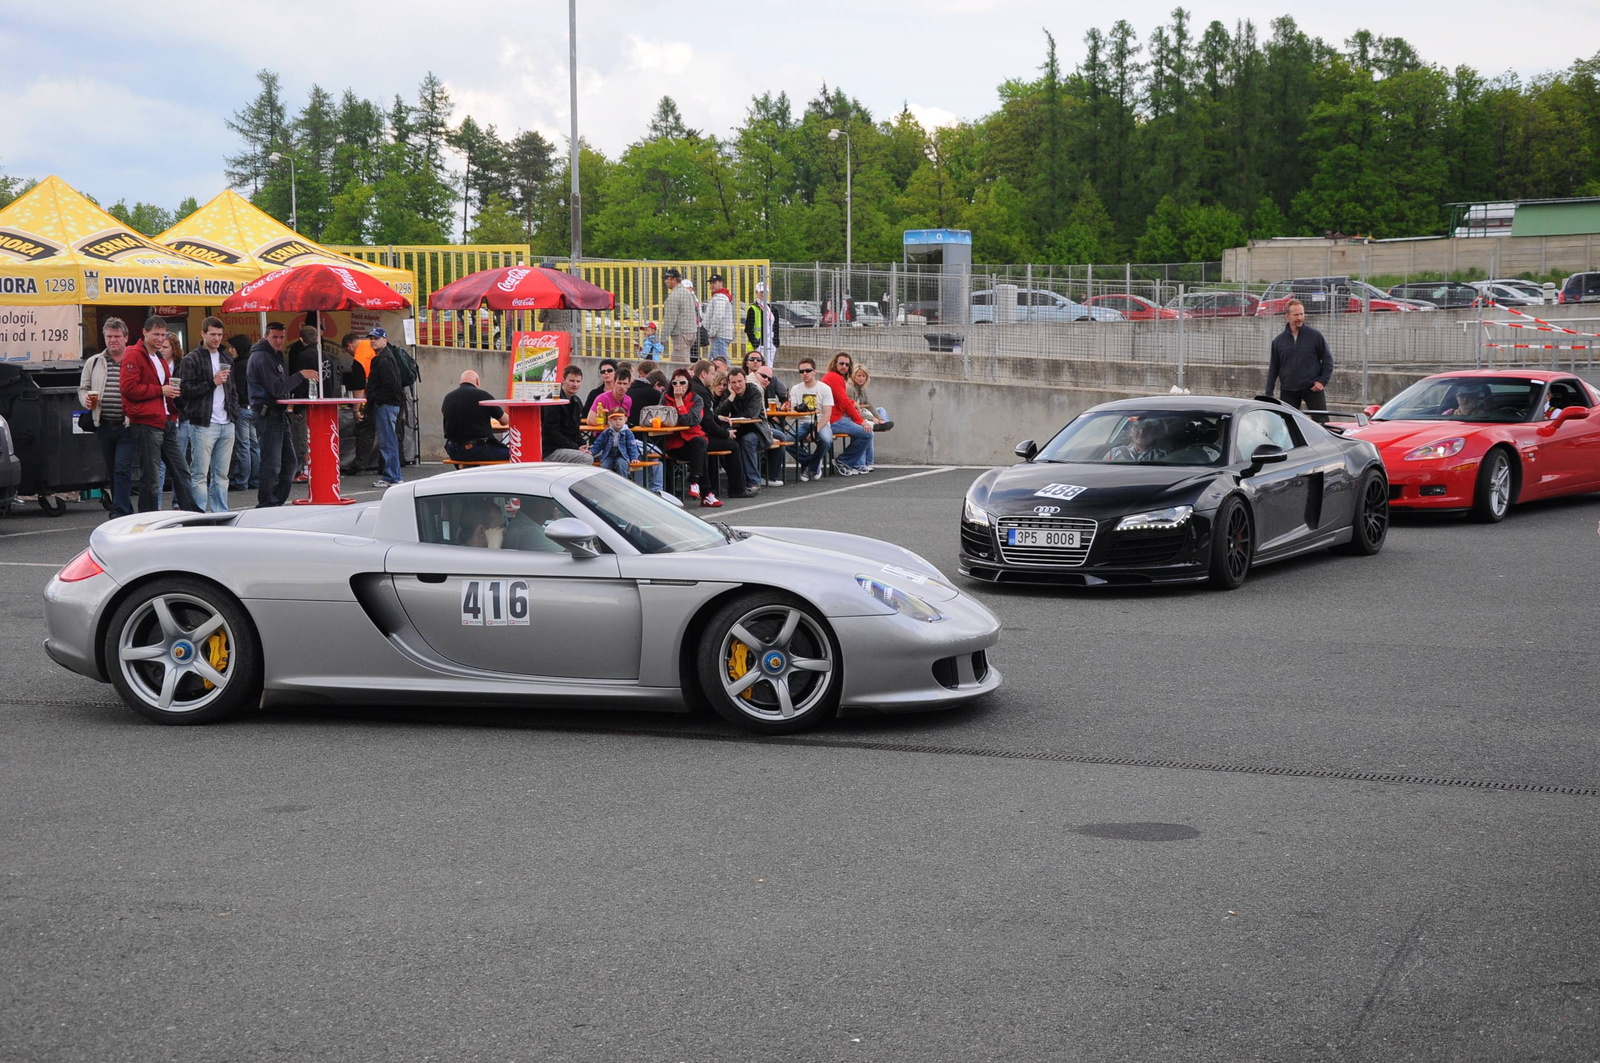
1369, 526
1491, 498
812, 692
1232, 544
139, 674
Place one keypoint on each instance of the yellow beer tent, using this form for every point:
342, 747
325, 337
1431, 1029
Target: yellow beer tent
231, 231
58, 249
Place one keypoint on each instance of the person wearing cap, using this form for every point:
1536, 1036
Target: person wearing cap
719, 316
761, 325
650, 346
680, 316
385, 394
616, 447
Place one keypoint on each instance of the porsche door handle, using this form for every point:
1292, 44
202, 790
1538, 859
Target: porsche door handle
431, 577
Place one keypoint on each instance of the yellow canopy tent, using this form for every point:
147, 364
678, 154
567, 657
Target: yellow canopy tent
232, 231
58, 249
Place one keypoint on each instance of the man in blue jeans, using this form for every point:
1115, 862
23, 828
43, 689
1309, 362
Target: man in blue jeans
385, 393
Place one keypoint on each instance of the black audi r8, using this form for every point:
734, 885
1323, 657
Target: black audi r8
1173, 489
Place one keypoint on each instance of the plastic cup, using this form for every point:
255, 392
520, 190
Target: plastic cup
655, 422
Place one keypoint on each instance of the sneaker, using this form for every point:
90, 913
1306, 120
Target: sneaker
302, 478
694, 492
774, 483
383, 483
805, 477
669, 497
845, 470
750, 492
710, 501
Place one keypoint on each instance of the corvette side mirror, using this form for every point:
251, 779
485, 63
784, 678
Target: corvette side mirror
573, 536
1572, 413
1027, 449
1372, 410
1265, 454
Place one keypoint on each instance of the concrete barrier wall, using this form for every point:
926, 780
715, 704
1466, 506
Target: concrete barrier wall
1265, 261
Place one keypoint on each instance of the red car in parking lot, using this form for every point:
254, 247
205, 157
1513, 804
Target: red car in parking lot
1330, 295
1482, 440
1133, 307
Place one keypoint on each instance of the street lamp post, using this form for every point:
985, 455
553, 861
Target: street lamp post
835, 134
294, 215
572, 74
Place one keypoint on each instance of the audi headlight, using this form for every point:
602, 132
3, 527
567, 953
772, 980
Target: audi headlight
973, 513
1172, 517
1444, 448
902, 602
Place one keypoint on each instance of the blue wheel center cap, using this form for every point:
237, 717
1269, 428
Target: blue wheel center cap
773, 662
183, 651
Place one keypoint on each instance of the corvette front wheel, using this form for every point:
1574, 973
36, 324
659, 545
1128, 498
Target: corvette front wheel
769, 664
183, 651
1491, 500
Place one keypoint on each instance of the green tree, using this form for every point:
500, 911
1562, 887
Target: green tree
497, 223
146, 218
263, 126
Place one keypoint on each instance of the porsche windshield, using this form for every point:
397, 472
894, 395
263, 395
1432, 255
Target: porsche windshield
650, 524
1142, 437
1464, 398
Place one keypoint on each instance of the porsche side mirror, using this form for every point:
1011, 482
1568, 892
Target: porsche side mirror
1371, 411
1027, 449
573, 536
1265, 454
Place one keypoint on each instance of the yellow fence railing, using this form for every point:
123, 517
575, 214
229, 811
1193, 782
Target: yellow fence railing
637, 285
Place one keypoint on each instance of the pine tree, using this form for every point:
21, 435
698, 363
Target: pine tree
263, 125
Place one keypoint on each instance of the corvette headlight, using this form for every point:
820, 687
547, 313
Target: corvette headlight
1172, 517
1444, 448
902, 602
973, 513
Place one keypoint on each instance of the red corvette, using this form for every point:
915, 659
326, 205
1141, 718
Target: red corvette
1481, 440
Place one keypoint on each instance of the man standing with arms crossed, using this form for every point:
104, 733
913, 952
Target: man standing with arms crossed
269, 382
385, 394
209, 403
1301, 362
680, 316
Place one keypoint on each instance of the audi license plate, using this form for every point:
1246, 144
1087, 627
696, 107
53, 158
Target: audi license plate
1048, 537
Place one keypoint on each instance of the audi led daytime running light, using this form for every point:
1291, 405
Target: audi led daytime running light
973, 513
1156, 518
900, 601
1443, 448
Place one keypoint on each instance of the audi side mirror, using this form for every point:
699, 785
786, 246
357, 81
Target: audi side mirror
1265, 454
1027, 449
573, 536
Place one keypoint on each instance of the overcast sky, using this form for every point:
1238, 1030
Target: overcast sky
128, 100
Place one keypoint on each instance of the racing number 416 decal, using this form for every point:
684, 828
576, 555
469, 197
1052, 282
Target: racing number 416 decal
494, 603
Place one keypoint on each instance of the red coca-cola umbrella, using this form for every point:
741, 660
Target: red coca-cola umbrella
521, 288
314, 287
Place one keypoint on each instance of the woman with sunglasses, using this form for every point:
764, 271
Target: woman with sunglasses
690, 447
847, 420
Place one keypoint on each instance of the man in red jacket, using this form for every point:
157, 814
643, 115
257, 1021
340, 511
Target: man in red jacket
148, 391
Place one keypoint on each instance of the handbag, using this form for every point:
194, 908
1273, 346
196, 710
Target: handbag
668, 415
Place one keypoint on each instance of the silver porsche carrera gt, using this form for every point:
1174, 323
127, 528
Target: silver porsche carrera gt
540, 585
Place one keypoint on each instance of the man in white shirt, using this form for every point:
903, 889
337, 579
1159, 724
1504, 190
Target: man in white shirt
811, 394
211, 405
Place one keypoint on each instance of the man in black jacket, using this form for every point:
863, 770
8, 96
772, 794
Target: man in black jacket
1301, 362
385, 394
269, 382
562, 425
468, 428
211, 404
743, 402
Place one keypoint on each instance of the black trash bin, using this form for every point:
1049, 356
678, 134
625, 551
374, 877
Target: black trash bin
40, 403
943, 341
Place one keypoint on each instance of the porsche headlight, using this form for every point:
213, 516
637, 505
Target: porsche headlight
1172, 517
903, 602
973, 513
1443, 448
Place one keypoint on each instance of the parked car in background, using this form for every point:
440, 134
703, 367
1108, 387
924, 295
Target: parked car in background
1132, 307
868, 314
1040, 306
1512, 292
799, 313
1331, 295
905, 316
1580, 288
1446, 295
1214, 304
458, 328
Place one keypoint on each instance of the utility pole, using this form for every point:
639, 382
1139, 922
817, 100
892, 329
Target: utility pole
572, 67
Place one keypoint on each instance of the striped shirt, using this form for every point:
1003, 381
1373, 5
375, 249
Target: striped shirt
111, 395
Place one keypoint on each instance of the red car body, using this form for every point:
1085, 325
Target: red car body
1133, 307
1553, 450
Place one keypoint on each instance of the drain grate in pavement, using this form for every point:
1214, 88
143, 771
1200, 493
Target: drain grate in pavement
1050, 755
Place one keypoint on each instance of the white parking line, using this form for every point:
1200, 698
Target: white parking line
733, 513
35, 564
42, 531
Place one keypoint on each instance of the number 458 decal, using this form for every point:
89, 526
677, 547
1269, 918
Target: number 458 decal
494, 603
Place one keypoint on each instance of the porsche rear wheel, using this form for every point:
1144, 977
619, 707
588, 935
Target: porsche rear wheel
769, 664
1233, 543
183, 651
1491, 500
1370, 525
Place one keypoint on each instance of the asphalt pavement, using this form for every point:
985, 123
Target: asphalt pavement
1343, 813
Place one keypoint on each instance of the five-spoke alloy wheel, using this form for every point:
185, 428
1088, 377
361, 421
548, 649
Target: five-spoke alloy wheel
182, 651
768, 663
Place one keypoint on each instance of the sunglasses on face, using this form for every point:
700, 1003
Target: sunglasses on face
608, 372
807, 369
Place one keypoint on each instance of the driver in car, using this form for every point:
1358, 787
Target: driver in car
1149, 442
488, 522
1472, 402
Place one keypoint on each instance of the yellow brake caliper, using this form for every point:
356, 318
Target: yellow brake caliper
216, 654
739, 664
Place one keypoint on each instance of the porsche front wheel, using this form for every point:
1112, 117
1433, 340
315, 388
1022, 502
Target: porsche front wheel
769, 664
183, 651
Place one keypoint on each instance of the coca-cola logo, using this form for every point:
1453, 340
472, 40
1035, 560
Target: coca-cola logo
346, 279
513, 277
